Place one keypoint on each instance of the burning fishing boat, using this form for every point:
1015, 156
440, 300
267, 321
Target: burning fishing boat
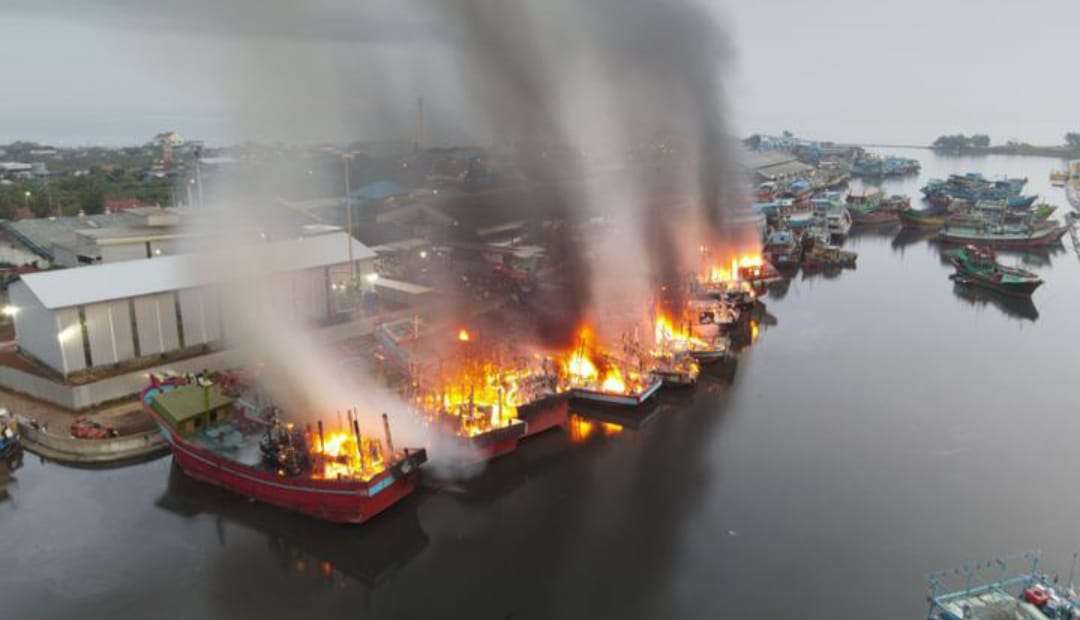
336, 475
701, 333
592, 375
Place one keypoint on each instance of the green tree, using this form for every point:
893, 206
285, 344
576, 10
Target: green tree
1072, 139
92, 197
980, 140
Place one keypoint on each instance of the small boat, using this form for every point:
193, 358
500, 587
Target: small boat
782, 249
341, 476
838, 220
799, 220
876, 210
820, 257
618, 399
1017, 236
915, 218
676, 369
979, 267
1008, 595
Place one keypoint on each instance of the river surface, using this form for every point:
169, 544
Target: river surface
888, 425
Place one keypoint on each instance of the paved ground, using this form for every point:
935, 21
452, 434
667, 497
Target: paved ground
126, 417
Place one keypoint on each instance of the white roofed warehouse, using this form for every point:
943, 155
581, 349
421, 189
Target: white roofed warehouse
137, 312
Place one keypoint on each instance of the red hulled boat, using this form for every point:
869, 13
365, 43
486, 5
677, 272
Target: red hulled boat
339, 476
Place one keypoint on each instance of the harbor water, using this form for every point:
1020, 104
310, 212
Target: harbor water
886, 426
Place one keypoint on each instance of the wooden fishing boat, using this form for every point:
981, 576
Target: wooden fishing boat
1017, 236
979, 267
341, 476
915, 218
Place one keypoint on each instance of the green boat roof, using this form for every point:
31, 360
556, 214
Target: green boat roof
188, 401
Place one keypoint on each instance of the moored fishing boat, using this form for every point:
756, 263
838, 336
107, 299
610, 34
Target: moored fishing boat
819, 256
979, 267
872, 209
341, 475
916, 218
1009, 595
1017, 236
782, 249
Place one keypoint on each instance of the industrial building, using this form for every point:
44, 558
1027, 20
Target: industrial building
141, 232
100, 316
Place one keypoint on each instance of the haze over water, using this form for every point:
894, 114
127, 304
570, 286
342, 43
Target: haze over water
885, 428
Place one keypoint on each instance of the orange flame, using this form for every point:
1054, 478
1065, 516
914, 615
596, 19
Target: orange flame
340, 457
587, 366
729, 273
463, 335
613, 381
581, 429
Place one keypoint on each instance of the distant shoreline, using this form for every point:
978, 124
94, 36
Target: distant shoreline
1060, 152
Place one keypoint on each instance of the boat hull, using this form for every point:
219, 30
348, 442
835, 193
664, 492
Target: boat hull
336, 502
544, 415
1020, 289
917, 219
617, 400
494, 443
1016, 242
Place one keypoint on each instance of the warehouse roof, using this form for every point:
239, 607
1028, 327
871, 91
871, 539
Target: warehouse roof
791, 168
86, 285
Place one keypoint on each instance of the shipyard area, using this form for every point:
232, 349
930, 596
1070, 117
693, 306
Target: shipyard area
535, 309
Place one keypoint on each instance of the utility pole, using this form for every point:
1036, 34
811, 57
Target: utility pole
345, 158
419, 143
198, 176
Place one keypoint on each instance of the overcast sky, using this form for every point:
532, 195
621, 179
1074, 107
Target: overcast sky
118, 71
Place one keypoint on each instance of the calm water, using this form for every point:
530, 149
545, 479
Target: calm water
886, 427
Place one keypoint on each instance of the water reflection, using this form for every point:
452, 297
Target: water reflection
7, 469
307, 547
1016, 307
884, 229
907, 237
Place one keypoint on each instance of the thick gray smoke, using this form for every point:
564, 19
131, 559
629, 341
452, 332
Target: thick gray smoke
607, 107
635, 83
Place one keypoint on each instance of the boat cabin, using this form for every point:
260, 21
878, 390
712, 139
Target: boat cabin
192, 408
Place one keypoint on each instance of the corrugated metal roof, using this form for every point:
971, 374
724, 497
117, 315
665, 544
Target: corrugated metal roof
756, 160
86, 285
784, 169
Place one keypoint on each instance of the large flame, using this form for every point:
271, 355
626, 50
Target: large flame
480, 387
580, 367
337, 455
736, 269
588, 366
613, 381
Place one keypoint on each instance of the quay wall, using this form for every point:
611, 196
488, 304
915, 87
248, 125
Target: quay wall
79, 397
73, 450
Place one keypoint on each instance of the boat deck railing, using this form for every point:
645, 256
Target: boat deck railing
1008, 584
